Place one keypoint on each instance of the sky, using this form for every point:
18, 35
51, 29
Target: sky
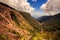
30, 6
37, 4
36, 8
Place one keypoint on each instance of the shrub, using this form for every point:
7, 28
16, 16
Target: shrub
3, 37
18, 35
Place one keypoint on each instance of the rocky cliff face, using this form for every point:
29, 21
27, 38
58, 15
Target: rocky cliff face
16, 25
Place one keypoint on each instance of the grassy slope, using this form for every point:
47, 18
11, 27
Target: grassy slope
17, 25
53, 23
31, 20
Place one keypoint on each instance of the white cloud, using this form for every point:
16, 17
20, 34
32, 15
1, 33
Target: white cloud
51, 7
37, 14
20, 5
43, 7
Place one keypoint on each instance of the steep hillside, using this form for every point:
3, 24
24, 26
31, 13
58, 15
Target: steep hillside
53, 23
31, 20
51, 28
15, 25
44, 18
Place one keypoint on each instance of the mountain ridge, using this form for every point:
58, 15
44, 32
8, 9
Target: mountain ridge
15, 24
53, 23
45, 18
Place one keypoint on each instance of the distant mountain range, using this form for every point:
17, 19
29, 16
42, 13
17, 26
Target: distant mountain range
45, 18
53, 23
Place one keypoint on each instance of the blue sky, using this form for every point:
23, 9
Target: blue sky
36, 4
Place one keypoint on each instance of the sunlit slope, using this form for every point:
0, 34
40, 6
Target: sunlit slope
15, 25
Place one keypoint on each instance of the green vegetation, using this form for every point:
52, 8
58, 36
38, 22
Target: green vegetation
48, 27
46, 36
14, 18
3, 37
32, 21
14, 32
51, 25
